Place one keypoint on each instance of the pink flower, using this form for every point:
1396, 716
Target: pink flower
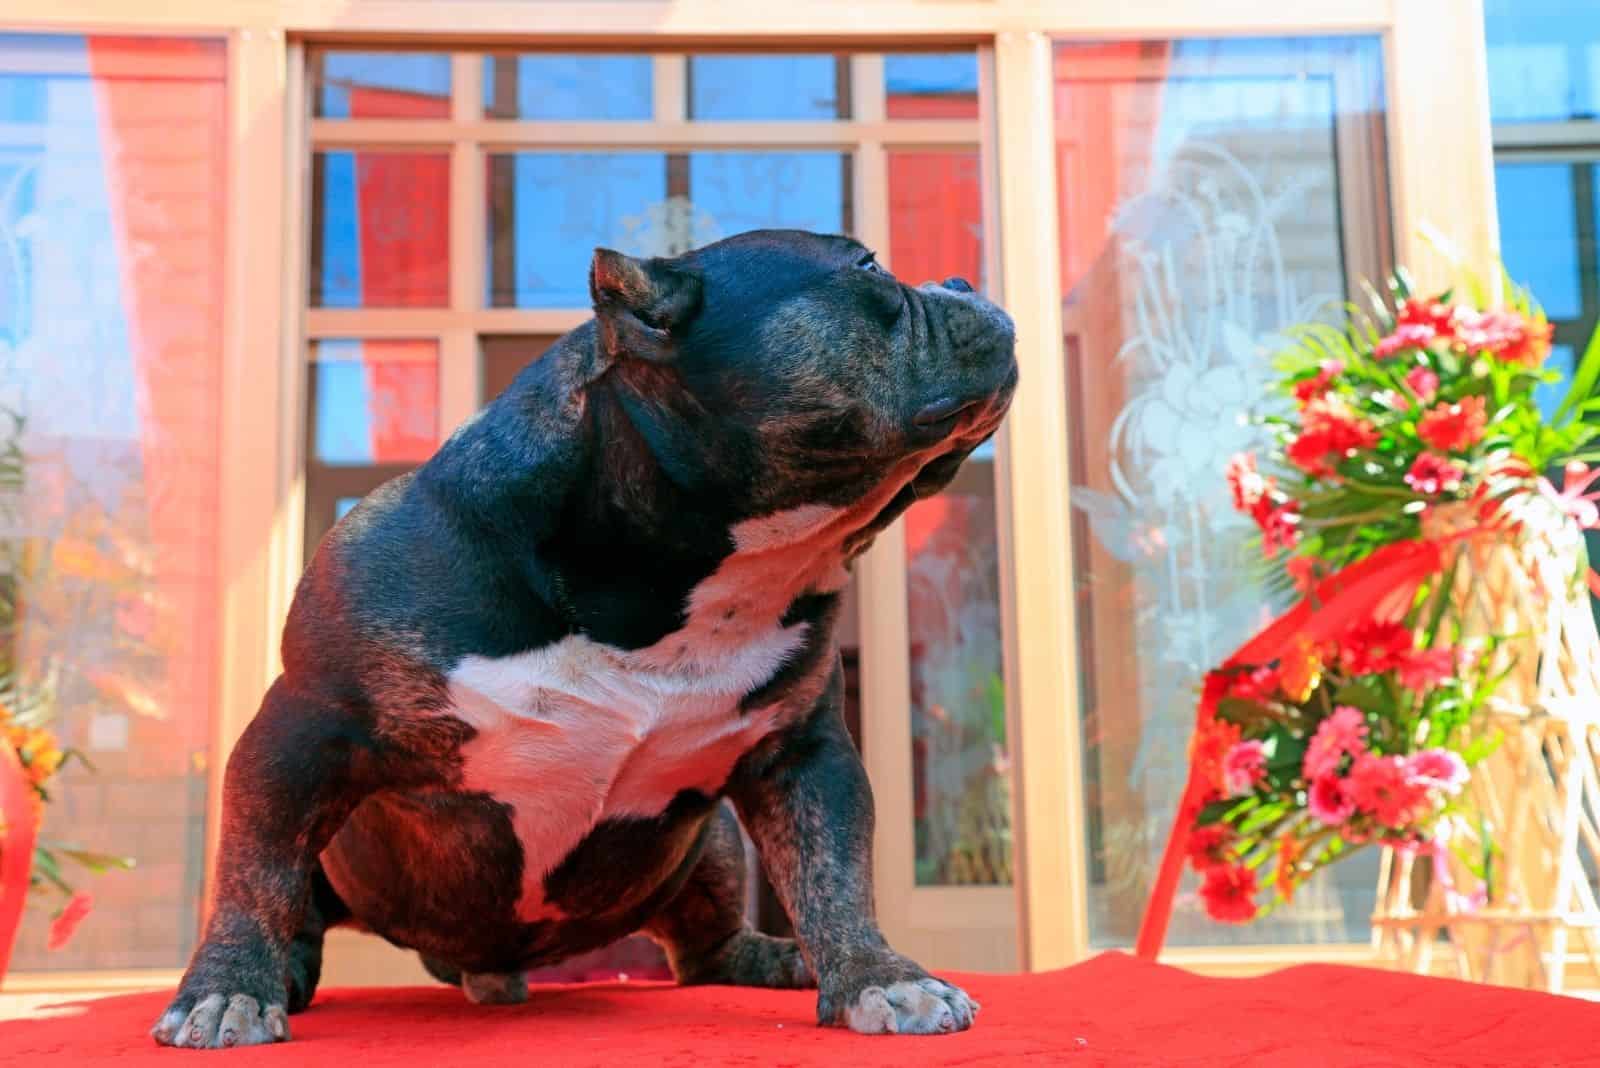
1506, 335
1421, 670
1423, 382
1405, 336
1437, 769
1229, 892
1432, 474
1247, 484
1243, 767
1329, 802
1343, 732
67, 920
1381, 787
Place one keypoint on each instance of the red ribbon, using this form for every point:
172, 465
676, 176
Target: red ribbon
20, 812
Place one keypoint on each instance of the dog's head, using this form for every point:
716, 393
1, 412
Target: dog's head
783, 370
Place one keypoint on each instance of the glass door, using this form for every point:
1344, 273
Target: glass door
1212, 193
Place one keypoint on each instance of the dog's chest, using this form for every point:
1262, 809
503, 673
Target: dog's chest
578, 732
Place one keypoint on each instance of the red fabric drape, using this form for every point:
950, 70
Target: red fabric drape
403, 208
161, 109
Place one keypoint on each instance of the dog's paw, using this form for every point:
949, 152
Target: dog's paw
911, 1007
221, 1021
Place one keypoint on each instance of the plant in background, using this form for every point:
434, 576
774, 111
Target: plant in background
1420, 411
25, 713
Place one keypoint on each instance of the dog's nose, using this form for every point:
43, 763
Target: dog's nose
960, 285
942, 410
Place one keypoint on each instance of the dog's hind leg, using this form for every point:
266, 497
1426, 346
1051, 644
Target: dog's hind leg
703, 930
323, 911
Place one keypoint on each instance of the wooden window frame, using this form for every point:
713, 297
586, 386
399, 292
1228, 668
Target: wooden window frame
1436, 84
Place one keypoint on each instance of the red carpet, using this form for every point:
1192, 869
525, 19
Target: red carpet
1111, 1010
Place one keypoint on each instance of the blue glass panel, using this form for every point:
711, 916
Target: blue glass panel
343, 404
563, 205
569, 87
342, 506
1544, 59
755, 190
339, 273
419, 83
948, 72
1539, 233
764, 87
1548, 395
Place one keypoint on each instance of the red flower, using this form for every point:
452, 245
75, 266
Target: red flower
1433, 474
1381, 788
1329, 433
1370, 648
1229, 892
1212, 742
1431, 313
1421, 670
1208, 846
67, 920
1246, 483
1329, 801
1306, 571
1507, 336
1259, 685
1280, 527
1453, 427
1423, 382
1405, 336
1310, 389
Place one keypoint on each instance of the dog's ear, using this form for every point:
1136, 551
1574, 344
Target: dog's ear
641, 304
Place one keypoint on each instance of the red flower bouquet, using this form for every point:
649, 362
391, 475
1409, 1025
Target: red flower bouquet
1360, 732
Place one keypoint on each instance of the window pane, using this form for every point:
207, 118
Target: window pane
940, 86
380, 85
374, 402
1544, 60
737, 191
111, 320
380, 229
504, 358
1207, 204
568, 87
769, 87
548, 211
1539, 232
959, 762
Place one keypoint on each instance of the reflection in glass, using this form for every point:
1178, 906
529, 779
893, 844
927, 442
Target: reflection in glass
1544, 60
737, 191
931, 86
111, 330
1212, 194
374, 402
564, 87
769, 86
1539, 232
380, 85
380, 229
549, 210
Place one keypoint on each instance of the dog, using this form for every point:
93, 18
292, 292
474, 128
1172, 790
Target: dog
522, 684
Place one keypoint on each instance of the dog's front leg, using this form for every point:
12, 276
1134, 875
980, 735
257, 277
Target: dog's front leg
290, 784
805, 800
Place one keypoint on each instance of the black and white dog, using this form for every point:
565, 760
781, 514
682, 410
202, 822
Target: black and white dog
518, 682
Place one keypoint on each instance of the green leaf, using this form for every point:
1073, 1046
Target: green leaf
1584, 377
98, 862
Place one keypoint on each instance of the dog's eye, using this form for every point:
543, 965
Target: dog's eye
869, 262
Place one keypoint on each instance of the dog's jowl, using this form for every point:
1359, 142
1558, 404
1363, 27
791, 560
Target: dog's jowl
520, 682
